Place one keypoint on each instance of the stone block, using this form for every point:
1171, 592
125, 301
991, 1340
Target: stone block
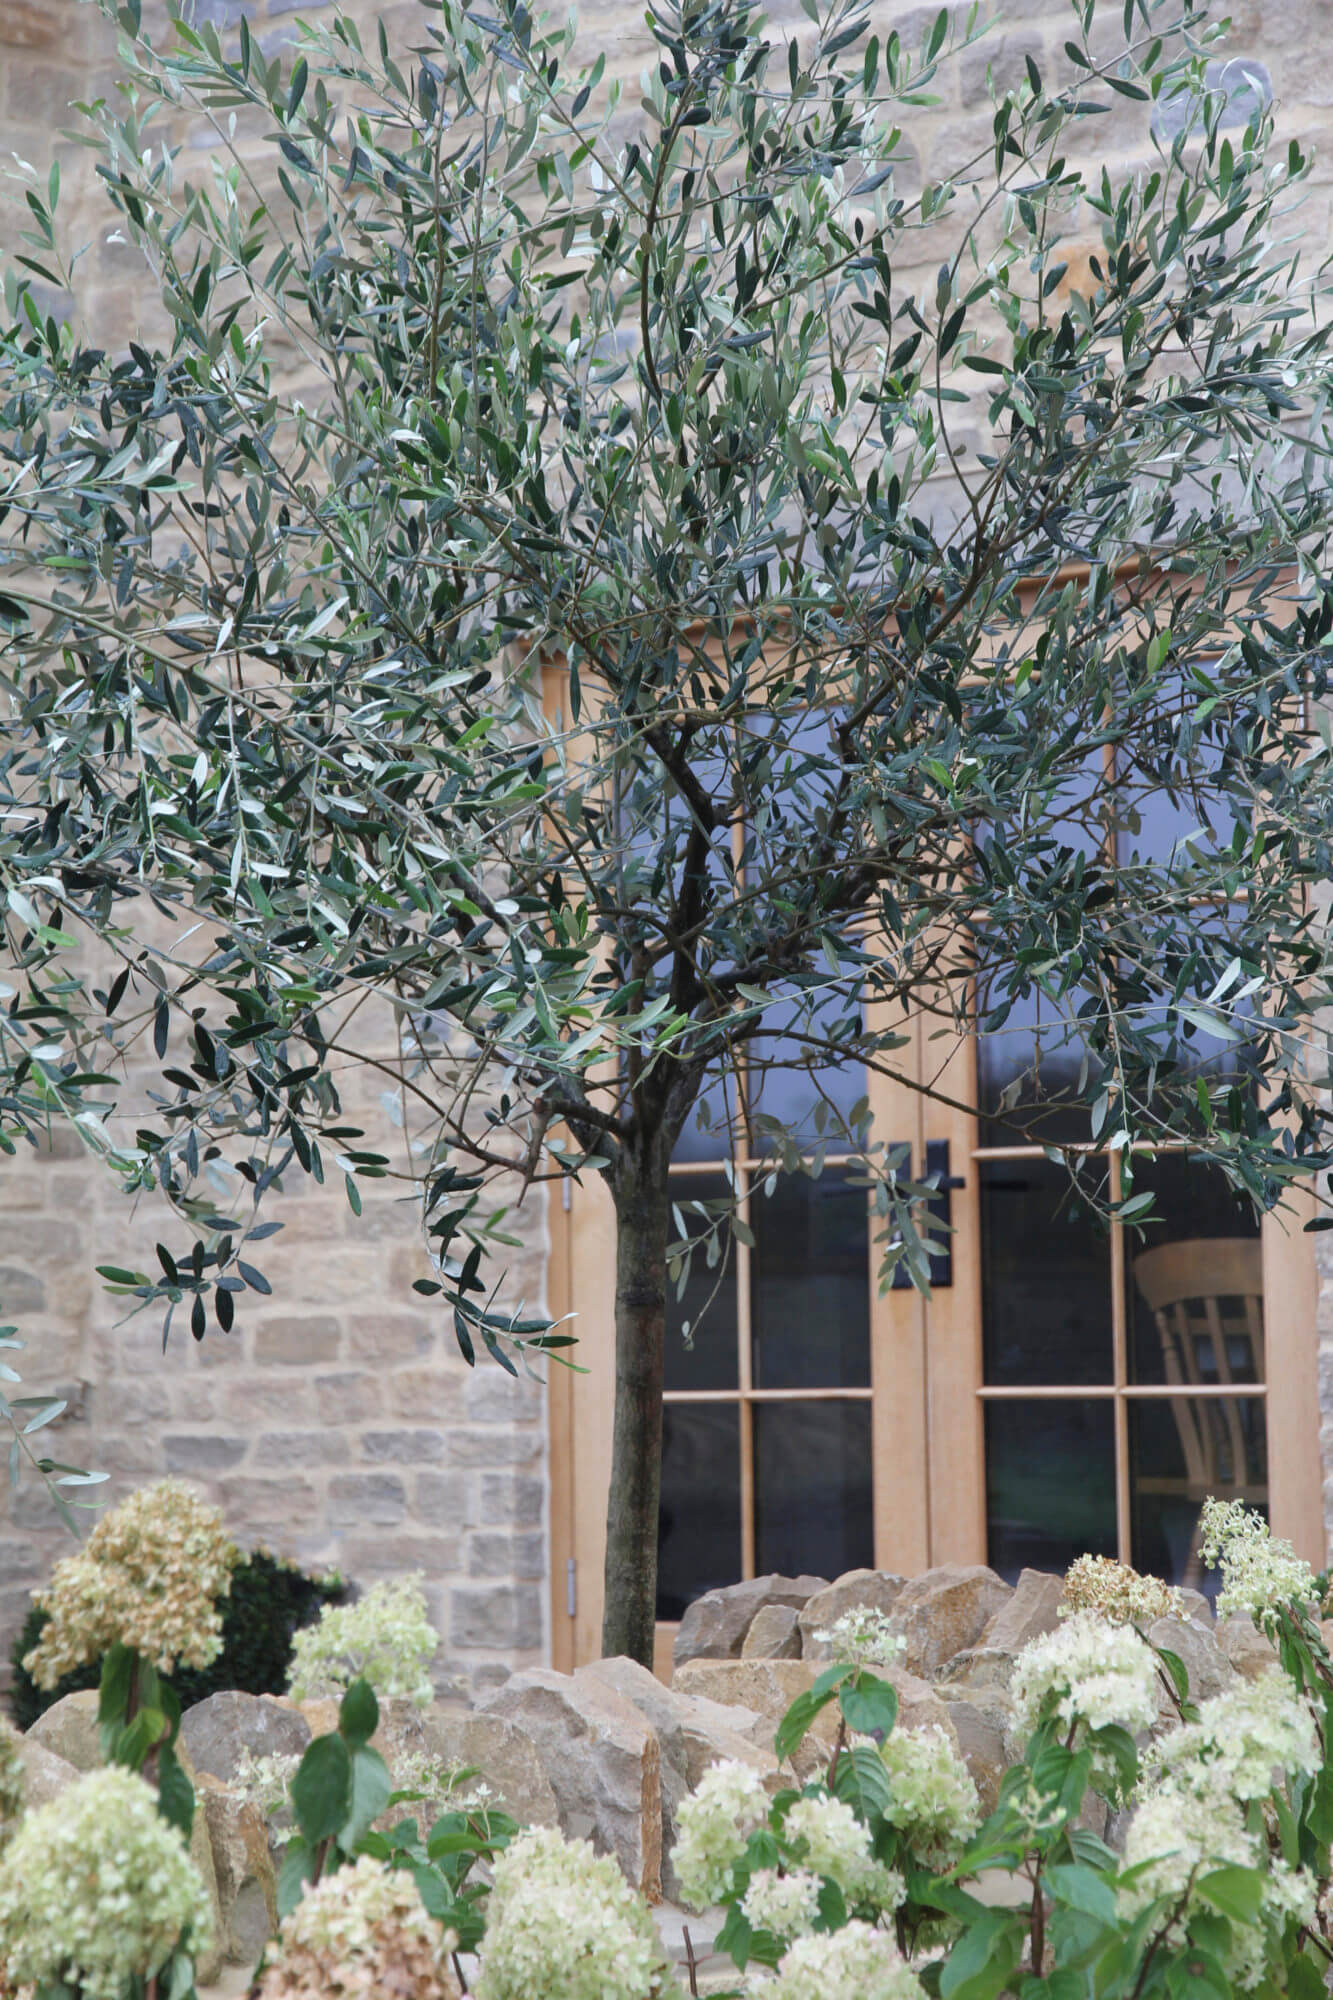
522, 1556
774, 1634
68, 1729
944, 1611
271, 1505
602, 1760
1249, 1652
492, 1397
348, 1397
440, 1499
292, 1341
203, 1455
1032, 1610
366, 1499
218, 1730
501, 1752
503, 1616
45, 1774
492, 1448
284, 1450
403, 1447
983, 1740
385, 1338
512, 1499
880, 1589
715, 1625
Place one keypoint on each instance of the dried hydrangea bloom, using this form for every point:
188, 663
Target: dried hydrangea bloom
855, 1963
713, 1827
1118, 1593
97, 1888
361, 1931
1259, 1573
562, 1923
933, 1800
386, 1637
866, 1637
149, 1576
13, 1780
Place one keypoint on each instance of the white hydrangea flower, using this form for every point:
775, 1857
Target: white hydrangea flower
1182, 1835
13, 1779
387, 1637
1088, 1675
1118, 1593
563, 1922
361, 1930
713, 1826
934, 1802
830, 1840
149, 1576
864, 1636
96, 1888
855, 1963
1243, 1739
787, 1905
1258, 1572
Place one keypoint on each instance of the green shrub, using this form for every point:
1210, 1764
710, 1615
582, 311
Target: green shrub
269, 1601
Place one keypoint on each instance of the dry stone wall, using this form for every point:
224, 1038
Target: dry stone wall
339, 1424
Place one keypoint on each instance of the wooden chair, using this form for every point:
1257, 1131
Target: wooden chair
1206, 1297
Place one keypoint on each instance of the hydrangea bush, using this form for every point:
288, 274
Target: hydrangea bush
386, 1638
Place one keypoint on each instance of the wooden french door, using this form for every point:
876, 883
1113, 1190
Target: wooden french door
1065, 1387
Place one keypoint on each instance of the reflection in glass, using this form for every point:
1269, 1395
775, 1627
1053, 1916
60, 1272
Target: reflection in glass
712, 1131
699, 1517
1030, 1064
1050, 1483
1045, 1276
708, 1302
813, 1511
1182, 1450
815, 1098
1194, 1279
810, 1284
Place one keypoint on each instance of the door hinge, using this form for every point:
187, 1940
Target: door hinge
572, 1588
566, 1195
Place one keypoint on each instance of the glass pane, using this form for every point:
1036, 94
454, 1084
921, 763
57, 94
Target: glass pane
712, 1130
1030, 1064
1045, 1278
699, 1517
814, 1098
1194, 1279
708, 1304
1050, 1483
810, 1284
1181, 1451
813, 1512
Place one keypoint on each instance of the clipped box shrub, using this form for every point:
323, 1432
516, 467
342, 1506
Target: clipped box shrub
270, 1600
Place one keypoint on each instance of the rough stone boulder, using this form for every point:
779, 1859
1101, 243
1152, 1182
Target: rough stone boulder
1209, 1669
944, 1611
985, 1743
715, 1625
1032, 1611
879, 1589
243, 1867
217, 1732
1249, 1652
502, 1753
775, 1634
45, 1775
603, 1762
692, 1733
769, 1687
69, 1729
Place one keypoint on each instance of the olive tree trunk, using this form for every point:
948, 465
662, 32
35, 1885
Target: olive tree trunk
642, 1204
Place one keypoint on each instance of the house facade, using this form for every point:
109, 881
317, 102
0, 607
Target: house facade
1063, 1389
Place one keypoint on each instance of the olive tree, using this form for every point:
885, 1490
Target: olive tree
873, 601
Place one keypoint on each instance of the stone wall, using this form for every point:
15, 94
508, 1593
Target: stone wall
339, 1423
